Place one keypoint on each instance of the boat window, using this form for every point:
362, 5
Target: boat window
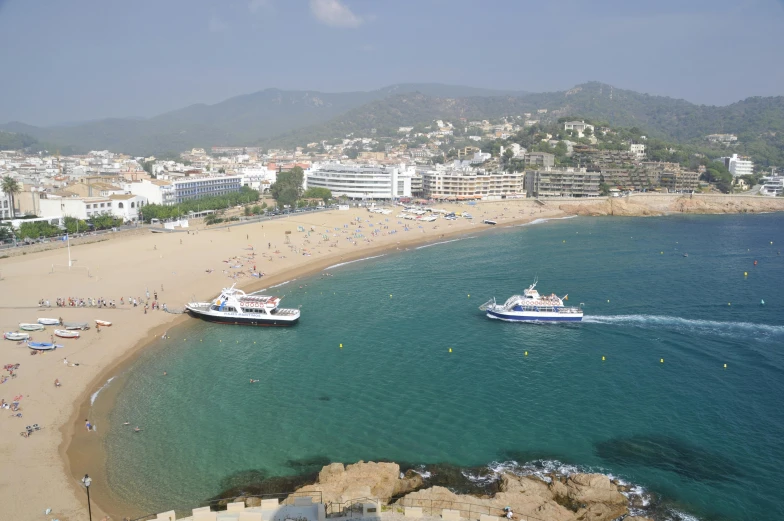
215, 308
230, 310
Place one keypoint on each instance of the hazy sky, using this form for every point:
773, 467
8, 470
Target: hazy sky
77, 60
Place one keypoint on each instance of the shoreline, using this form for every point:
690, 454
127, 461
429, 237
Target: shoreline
32, 492
74, 441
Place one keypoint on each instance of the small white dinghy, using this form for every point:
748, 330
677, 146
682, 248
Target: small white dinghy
64, 333
49, 321
16, 336
104, 323
31, 327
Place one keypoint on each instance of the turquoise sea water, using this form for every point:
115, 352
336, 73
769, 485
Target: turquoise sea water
706, 438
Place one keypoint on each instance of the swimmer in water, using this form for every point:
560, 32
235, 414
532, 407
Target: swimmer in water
137, 429
253, 381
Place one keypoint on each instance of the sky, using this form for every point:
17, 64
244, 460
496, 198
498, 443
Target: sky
79, 60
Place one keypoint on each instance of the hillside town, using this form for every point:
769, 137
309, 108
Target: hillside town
440, 162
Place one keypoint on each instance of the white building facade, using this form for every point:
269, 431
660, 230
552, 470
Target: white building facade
361, 181
738, 165
174, 192
6, 212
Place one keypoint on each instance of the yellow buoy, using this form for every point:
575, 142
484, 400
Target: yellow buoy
469, 295
341, 346
745, 273
725, 366
661, 361
729, 303
390, 296
608, 300
450, 349
603, 359
564, 241
220, 340
201, 340
661, 252
526, 353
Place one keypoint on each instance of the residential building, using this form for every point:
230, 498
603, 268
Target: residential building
126, 206
372, 156
6, 210
176, 191
679, 181
578, 126
55, 205
562, 182
417, 188
542, 159
725, 139
361, 181
738, 165
772, 185
467, 183
638, 150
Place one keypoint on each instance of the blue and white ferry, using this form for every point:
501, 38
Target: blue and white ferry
532, 307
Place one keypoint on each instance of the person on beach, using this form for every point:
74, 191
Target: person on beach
88, 425
57, 382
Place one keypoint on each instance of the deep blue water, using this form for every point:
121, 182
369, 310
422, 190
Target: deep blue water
707, 438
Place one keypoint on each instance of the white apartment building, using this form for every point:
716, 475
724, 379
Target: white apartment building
465, 183
176, 191
6, 212
566, 182
361, 181
124, 206
738, 165
638, 150
578, 126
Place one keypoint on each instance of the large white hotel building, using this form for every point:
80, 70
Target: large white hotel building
361, 181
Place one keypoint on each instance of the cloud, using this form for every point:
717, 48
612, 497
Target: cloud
334, 13
216, 25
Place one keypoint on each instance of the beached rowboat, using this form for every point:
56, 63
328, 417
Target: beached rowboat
16, 336
49, 321
104, 323
76, 325
64, 333
43, 346
31, 327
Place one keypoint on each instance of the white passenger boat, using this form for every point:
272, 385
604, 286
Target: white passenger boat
31, 327
234, 306
65, 333
49, 321
16, 336
532, 307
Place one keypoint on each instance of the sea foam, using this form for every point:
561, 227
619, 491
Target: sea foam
442, 242
687, 324
96, 393
352, 262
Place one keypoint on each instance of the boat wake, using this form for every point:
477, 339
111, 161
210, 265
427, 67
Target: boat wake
443, 242
687, 324
543, 220
96, 393
352, 262
281, 284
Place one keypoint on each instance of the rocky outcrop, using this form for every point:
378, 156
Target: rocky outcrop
577, 497
338, 483
661, 204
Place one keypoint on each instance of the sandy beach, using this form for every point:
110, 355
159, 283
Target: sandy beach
42, 471
39, 471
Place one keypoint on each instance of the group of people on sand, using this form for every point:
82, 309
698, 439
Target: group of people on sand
78, 302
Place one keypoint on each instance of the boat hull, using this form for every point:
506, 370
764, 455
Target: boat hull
16, 337
533, 316
31, 327
244, 321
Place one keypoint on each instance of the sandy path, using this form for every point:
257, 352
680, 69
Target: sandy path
36, 475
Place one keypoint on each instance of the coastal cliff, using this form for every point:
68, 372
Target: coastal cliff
574, 497
644, 205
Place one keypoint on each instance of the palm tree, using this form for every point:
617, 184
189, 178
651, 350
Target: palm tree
12, 187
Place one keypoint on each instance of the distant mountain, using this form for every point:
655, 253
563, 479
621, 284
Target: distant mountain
758, 122
236, 121
285, 118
